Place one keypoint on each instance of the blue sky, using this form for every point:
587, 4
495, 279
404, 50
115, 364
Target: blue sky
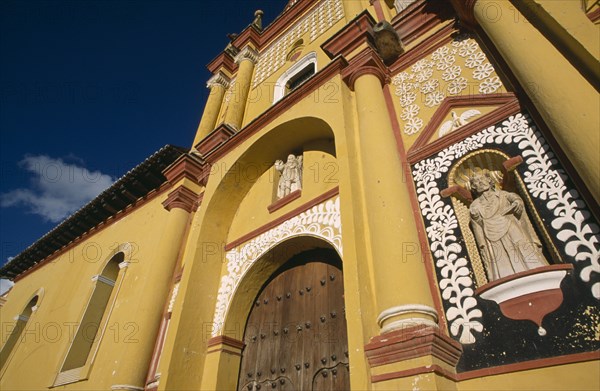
89, 89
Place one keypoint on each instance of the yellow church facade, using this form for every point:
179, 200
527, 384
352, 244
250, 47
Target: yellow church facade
381, 195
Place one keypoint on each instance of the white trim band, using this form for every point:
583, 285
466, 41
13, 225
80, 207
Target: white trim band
104, 280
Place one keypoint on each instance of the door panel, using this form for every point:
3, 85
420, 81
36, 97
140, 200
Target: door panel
296, 333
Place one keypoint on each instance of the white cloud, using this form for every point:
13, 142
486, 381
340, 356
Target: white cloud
5, 285
57, 188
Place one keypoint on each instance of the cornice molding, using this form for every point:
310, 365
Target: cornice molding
186, 166
220, 79
223, 60
215, 139
357, 32
247, 53
366, 62
466, 13
182, 198
409, 343
421, 17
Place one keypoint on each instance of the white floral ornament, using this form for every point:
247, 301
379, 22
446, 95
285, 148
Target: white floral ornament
475, 59
430, 86
409, 112
413, 125
451, 73
434, 98
424, 75
456, 86
440, 53
490, 85
446, 62
482, 71
322, 221
467, 48
407, 99
544, 182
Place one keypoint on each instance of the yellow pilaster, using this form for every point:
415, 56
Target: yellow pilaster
246, 59
134, 363
217, 84
402, 293
567, 102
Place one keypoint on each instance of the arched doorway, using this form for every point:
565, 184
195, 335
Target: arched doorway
296, 336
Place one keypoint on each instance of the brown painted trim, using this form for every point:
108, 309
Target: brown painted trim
465, 11
436, 369
215, 139
414, 342
419, 224
367, 62
186, 166
349, 38
378, 10
182, 198
424, 48
315, 201
223, 60
500, 281
528, 365
104, 224
312, 84
222, 350
500, 370
594, 16
226, 341
422, 149
280, 203
285, 20
419, 18
250, 35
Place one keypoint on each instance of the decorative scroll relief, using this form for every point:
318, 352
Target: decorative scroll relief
444, 73
544, 181
317, 21
321, 221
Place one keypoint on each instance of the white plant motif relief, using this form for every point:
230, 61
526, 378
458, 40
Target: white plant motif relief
321, 221
544, 181
443, 73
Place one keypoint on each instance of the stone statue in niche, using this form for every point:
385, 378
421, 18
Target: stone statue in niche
502, 230
291, 175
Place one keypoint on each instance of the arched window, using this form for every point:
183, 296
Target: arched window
16, 333
92, 324
298, 73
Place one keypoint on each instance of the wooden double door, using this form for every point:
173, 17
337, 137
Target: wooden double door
296, 336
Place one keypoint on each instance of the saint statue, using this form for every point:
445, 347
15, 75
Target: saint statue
291, 175
502, 230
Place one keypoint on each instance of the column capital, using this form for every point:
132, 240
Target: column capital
366, 62
247, 53
182, 198
218, 79
465, 11
188, 166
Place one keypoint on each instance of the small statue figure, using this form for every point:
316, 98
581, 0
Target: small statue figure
291, 175
502, 230
456, 121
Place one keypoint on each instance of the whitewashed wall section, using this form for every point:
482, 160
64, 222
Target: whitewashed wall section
322, 221
545, 181
317, 21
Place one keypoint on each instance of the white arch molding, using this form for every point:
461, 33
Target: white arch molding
279, 90
322, 221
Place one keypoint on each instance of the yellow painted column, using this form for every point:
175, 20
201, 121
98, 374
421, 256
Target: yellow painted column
136, 358
568, 103
246, 59
217, 84
402, 292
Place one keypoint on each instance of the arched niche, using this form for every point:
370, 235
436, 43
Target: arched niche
501, 168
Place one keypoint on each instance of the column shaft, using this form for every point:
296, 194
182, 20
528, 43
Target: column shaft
564, 98
211, 112
401, 284
243, 80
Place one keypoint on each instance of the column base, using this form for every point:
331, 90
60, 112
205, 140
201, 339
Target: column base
407, 316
